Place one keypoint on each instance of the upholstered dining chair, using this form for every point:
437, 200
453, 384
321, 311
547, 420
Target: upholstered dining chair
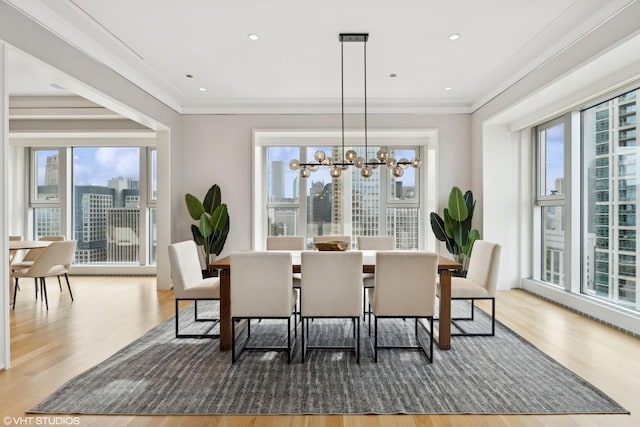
331, 288
12, 254
481, 283
405, 288
55, 260
31, 255
288, 243
189, 285
261, 288
373, 243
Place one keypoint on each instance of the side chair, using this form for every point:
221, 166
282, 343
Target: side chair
262, 289
481, 283
405, 288
188, 284
55, 260
331, 288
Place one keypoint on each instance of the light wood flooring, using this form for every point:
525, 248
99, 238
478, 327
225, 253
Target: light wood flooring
50, 347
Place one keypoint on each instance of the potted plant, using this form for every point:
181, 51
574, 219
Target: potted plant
213, 223
454, 228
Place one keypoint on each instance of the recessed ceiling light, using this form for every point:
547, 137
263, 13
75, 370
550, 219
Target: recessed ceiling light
393, 75
253, 37
203, 89
189, 76
448, 88
454, 36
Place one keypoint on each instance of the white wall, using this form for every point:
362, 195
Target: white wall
217, 150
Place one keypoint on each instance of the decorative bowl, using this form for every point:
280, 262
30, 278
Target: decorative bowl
332, 245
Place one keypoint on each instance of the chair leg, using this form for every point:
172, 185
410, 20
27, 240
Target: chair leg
375, 346
15, 292
43, 289
357, 337
68, 285
35, 279
60, 283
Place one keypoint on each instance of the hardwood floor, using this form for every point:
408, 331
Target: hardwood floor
49, 348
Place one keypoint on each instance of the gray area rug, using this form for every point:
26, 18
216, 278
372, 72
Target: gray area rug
159, 374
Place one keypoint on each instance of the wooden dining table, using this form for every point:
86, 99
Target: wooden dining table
445, 266
18, 245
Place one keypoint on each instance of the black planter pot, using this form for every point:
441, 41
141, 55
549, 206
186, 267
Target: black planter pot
209, 273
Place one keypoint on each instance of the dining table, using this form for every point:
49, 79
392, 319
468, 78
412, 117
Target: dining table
442, 335
18, 245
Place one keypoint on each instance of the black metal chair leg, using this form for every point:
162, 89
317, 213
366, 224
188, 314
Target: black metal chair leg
15, 292
43, 285
68, 285
60, 283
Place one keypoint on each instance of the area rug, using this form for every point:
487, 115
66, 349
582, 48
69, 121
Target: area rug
159, 374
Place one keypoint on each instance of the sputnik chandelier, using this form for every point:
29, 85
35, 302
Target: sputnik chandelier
351, 158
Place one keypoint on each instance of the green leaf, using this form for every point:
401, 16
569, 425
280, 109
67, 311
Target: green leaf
448, 224
457, 205
459, 234
197, 235
212, 199
473, 236
437, 225
194, 206
219, 217
205, 225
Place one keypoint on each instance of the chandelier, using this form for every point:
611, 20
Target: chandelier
351, 158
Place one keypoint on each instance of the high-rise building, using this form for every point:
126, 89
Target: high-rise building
611, 128
277, 180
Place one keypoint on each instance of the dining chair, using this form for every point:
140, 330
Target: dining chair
31, 255
331, 287
189, 285
12, 254
288, 243
405, 288
55, 260
372, 243
261, 288
480, 284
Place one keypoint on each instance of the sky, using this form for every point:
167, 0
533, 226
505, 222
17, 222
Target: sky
554, 156
96, 165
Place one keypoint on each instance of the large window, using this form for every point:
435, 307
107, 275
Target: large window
110, 214
351, 204
610, 182
551, 141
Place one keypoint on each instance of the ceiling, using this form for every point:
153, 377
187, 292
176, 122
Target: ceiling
294, 66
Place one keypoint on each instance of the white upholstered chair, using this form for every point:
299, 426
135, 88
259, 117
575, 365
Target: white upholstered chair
405, 288
331, 288
287, 243
373, 243
261, 288
481, 283
31, 256
188, 284
55, 260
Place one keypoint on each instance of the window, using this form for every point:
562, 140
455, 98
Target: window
106, 215
45, 193
610, 201
321, 205
551, 200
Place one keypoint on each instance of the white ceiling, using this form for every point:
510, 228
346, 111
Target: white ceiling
295, 64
